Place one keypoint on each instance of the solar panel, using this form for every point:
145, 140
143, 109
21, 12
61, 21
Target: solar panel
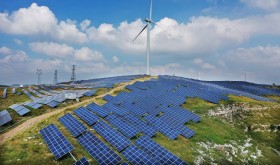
100, 111
72, 124
113, 108
98, 150
53, 104
86, 115
136, 156
82, 161
127, 129
163, 127
33, 105
90, 93
108, 97
141, 125
158, 152
5, 117
56, 142
112, 136
21, 110
13, 90
5, 93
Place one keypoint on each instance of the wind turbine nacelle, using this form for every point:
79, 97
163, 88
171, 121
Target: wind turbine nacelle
148, 20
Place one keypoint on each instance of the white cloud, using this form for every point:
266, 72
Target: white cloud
263, 4
86, 54
5, 51
260, 57
115, 59
33, 20
52, 49
18, 41
15, 56
202, 64
202, 35
40, 20
85, 24
68, 31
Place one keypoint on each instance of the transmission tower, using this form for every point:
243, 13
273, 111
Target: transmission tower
39, 74
55, 77
73, 77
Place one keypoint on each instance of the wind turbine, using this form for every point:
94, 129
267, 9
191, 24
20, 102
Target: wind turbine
148, 27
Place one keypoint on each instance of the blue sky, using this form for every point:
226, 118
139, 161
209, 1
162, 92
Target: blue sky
220, 39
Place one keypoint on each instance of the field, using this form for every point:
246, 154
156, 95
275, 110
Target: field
248, 135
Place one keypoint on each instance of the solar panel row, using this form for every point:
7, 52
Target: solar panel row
56, 142
140, 124
86, 115
5, 117
112, 136
21, 110
53, 104
158, 152
33, 105
4, 93
125, 128
72, 124
136, 156
90, 93
100, 111
112, 108
98, 150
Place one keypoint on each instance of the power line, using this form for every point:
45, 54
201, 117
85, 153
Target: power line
55, 77
39, 74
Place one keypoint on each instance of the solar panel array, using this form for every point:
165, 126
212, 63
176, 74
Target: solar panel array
98, 150
82, 161
125, 128
5, 117
158, 152
136, 156
56, 142
86, 115
21, 110
112, 136
72, 124
100, 111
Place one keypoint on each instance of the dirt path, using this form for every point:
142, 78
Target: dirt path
29, 123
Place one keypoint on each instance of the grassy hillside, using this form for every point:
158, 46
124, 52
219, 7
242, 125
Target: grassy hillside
217, 140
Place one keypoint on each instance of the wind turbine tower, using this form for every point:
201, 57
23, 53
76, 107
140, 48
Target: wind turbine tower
148, 26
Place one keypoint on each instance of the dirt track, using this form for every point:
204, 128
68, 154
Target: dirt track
29, 123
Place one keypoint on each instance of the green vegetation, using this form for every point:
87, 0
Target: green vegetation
217, 140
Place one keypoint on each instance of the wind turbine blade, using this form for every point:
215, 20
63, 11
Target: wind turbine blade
151, 9
162, 28
140, 33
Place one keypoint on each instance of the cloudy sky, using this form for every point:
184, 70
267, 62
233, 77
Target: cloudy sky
220, 39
